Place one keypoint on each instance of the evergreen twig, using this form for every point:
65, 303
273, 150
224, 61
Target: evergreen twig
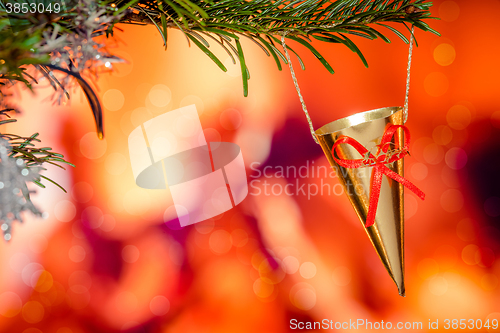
326, 21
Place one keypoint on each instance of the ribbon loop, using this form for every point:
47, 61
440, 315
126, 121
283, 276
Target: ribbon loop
384, 155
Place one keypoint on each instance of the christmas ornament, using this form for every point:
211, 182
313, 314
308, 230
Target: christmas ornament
366, 150
205, 179
377, 200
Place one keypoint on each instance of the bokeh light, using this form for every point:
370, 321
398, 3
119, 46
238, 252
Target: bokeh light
444, 54
130, 254
419, 171
303, 296
77, 253
452, 200
113, 99
458, 117
160, 95
10, 304
449, 11
159, 305
64, 211
33, 312
307, 270
91, 147
442, 135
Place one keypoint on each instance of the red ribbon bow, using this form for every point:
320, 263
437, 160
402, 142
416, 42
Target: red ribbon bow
378, 162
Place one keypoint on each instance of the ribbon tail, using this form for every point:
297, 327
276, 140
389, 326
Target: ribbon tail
409, 185
374, 196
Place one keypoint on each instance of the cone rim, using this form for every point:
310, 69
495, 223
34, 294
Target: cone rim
356, 119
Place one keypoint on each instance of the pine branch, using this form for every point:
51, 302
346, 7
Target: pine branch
14, 194
326, 21
20, 163
24, 149
228, 20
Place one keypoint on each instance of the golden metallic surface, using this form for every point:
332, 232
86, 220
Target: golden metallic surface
387, 234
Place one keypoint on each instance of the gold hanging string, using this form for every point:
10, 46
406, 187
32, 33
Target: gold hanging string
405, 107
304, 108
297, 87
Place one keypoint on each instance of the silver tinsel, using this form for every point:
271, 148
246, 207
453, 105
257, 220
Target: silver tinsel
79, 51
14, 195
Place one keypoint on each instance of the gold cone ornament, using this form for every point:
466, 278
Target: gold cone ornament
373, 180
367, 150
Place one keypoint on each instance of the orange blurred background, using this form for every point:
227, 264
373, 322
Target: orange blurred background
111, 257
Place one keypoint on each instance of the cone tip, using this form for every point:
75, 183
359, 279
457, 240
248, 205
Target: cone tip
402, 292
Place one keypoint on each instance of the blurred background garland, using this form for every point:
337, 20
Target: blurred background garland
72, 44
